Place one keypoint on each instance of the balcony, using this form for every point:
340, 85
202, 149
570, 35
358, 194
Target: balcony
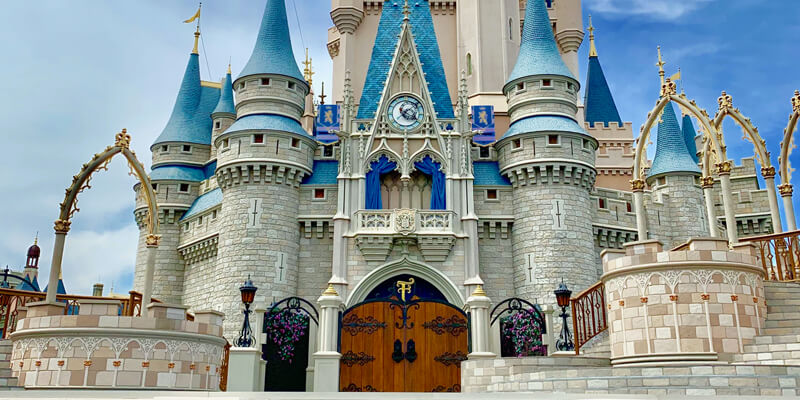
376, 231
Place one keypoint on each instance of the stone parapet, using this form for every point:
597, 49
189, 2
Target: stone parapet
98, 349
696, 303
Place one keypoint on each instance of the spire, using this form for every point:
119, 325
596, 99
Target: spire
538, 53
671, 153
688, 136
600, 105
592, 48
196, 39
660, 64
273, 53
225, 104
181, 123
308, 71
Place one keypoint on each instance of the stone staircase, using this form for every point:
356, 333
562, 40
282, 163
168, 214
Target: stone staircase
779, 341
6, 381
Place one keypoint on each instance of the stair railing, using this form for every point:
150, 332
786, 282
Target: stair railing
779, 255
589, 317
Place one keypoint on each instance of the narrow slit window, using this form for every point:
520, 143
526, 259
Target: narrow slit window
601, 202
629, 206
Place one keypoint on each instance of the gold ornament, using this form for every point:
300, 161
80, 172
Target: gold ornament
796, 102
330, 291
123, 139
724, 168
785, 189
669, 88
637, 185
479, 291
725, 101
62, 226
707, 182
768, 172
152, 240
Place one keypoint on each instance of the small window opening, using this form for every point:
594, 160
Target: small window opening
164, 149
225, 143
319, 193
155, 186
183, 188
187, 148
186, 226
258, 138
483, 152
327, 151
491, 194
517, 143
264, 81
601, 202
199, 221
214, 214
291, 85
296, 143
521, 86
547, 83
217, 125
552, 139
662, 181
469, 64
629, 206
242, 85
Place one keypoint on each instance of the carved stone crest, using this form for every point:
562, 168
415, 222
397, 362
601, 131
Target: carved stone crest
405, 221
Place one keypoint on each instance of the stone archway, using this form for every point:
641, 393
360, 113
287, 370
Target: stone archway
81, 182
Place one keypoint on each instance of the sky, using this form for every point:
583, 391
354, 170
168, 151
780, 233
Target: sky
75, 73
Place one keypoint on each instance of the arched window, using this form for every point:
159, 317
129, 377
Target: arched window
469, 64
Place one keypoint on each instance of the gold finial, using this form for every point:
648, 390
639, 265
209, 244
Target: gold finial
196, 39
406, 12
592, 48
330, 291
308, 71
660, 64
479, 291
322, 96
229, 68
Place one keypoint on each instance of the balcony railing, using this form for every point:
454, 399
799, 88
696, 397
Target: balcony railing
404, 221
589, 317
779, 255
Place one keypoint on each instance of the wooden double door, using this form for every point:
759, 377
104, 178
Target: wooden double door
395, 346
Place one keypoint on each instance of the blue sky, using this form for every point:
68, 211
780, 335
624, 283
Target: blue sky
75, 73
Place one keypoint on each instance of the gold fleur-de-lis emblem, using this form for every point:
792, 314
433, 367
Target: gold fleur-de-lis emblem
725, 100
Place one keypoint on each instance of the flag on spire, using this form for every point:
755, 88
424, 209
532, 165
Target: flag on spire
195, 16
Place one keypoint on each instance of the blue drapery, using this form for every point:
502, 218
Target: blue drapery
381, 167
429, 167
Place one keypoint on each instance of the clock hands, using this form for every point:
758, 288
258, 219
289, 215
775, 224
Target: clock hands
408, 111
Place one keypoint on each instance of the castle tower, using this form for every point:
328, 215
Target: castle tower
225, 113
549, 159
179, 156
261, 160
673, 178
689, 135
31, 271
603, 122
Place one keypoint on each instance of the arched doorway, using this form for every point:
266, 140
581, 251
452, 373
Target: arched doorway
403, 337
288, 326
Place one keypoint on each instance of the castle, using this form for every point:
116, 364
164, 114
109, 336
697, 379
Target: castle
247, 187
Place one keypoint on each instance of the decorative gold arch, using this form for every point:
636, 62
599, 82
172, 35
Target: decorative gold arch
713, 141
785, 167
726, 109
81, 182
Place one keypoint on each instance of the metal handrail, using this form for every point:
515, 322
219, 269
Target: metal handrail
589, 317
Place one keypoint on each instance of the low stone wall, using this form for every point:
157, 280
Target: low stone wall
701, 302
101, 350
483, 375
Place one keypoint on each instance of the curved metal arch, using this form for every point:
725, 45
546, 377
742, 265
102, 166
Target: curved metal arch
100, 161
669, 95
787, 145
517, 304
294, 303
726, 109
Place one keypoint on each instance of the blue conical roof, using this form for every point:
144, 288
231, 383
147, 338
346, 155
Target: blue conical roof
671, 153
389, 29
60, 289
190, 121
600, 106
273, 51
538, 52
688, 136
225, 104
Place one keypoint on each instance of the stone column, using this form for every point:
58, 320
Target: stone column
788, 208
769, 181
152, 246
326, 359
61, 227
708, 193
637, 186
724, 170
478, 304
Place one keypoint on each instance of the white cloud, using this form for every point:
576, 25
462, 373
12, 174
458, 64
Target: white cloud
655, 9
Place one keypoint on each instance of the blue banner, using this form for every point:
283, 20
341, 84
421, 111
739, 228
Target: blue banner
327, 122
483, 122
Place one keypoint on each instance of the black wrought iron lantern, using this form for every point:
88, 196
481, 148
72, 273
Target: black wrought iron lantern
248, 291
563, 294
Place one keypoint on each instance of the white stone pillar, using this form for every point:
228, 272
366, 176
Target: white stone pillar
724, 170
708, 193
244, 370
478, 304
637, 187
152, 247
549, 338
55, 265
326, 359
788, 207
774, 212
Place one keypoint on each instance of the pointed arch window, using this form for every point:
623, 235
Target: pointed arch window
469, 64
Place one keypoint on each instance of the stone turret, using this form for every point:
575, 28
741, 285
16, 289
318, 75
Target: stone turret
224, 114
179, 155
549, 159
674, 179
261, 160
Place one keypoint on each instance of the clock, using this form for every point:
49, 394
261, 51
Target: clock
406, 112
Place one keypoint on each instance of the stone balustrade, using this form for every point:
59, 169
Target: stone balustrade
99, 349
700, 302
404, 222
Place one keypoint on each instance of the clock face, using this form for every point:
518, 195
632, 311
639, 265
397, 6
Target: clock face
406, 112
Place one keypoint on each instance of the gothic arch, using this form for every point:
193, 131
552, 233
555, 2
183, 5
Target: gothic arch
405, 266
785, 167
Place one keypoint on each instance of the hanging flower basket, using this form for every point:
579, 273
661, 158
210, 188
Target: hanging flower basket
286, 328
